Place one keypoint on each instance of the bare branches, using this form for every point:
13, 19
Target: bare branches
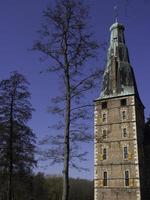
45, 49
85, 80
68, 44
83, 106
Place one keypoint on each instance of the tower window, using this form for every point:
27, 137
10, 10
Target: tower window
105, 178
104, 117
126, 178
123, 102
124, 130
125, 152
104, 105
124, 115
115, 39
104, 132
104, 154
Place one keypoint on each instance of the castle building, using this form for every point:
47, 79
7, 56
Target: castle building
119, 127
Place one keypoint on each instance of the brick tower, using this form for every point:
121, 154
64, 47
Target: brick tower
118, 124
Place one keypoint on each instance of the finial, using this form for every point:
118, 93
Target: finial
116, 12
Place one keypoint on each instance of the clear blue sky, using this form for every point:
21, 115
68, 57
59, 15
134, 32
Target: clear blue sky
19, 21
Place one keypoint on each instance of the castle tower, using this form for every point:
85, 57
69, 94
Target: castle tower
118, 124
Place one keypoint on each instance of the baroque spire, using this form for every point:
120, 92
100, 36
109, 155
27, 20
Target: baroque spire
118, 78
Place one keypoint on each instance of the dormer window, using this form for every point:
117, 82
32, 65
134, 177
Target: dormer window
115, 39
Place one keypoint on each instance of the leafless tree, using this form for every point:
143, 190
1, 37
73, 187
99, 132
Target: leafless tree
66, 40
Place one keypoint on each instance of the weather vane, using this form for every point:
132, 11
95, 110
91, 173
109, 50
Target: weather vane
116, 12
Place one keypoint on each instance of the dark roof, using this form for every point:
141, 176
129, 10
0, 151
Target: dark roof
118, 78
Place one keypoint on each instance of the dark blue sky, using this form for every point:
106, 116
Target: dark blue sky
19, 21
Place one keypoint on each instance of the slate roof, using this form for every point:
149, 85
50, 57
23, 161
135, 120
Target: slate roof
118, 78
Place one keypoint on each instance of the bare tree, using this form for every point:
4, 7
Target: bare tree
66, 40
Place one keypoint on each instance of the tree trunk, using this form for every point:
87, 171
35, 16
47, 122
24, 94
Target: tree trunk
10, 185
65, 195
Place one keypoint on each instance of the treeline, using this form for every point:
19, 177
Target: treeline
41, 187
50, 188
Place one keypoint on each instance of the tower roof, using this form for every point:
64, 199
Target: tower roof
118, 78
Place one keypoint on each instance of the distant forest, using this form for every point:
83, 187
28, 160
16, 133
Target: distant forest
41, 187
50, 188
